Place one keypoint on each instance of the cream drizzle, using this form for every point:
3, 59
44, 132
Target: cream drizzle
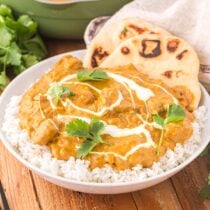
40, 108
141, 92
53, 106
114, 131
130, 93
82, 83
53, 123
174, 99
67, 78
148, 123
101, 112
159, 86
127, 154
50, 99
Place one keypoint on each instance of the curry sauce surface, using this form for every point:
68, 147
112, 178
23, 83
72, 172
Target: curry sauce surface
46, 126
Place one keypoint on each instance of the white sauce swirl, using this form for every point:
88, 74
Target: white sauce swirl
102, 111
115, 131
141, 92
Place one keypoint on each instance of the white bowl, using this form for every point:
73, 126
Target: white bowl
23, 81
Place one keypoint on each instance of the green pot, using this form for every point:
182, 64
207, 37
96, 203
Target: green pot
64, 21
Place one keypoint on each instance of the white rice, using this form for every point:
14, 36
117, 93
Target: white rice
76, 169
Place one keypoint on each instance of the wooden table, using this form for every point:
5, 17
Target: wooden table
27, 191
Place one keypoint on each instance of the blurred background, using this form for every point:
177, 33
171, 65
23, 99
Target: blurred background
64, 19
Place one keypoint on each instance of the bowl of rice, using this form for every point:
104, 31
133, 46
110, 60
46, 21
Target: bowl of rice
74, 173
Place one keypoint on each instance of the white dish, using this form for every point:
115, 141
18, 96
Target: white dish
23, 81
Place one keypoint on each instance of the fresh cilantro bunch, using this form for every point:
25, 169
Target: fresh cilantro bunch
174, 114
20, 45
91, 133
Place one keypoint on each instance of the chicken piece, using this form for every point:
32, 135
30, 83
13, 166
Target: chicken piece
45, 132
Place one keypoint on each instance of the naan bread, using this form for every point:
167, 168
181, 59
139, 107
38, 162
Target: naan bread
112, 35
168, 58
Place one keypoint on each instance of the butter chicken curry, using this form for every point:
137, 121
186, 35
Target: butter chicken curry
115, 116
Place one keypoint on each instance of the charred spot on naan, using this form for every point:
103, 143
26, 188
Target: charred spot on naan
125, 50
179, 73
131, 30
181, 55
139, 30
168, 74
172, 45
98, 55
150, 48
152, 32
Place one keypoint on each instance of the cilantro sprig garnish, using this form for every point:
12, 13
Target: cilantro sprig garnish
91, 133
94, 75
57, 92
174, 114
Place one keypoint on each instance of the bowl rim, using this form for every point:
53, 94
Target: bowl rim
43, 173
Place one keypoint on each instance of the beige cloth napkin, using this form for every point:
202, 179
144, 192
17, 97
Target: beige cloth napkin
189, 19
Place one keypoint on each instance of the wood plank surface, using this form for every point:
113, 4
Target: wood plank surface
162, 196
27, 191
17, 182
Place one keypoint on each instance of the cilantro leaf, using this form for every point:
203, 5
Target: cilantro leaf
67, 92
95, 75
90, 132
27, 27
78, 128
158, 119
5, 11
6, 37
96, 127
18, 69
14, 55
35, 46
175, 114
29, 60
56, 91
85, 148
